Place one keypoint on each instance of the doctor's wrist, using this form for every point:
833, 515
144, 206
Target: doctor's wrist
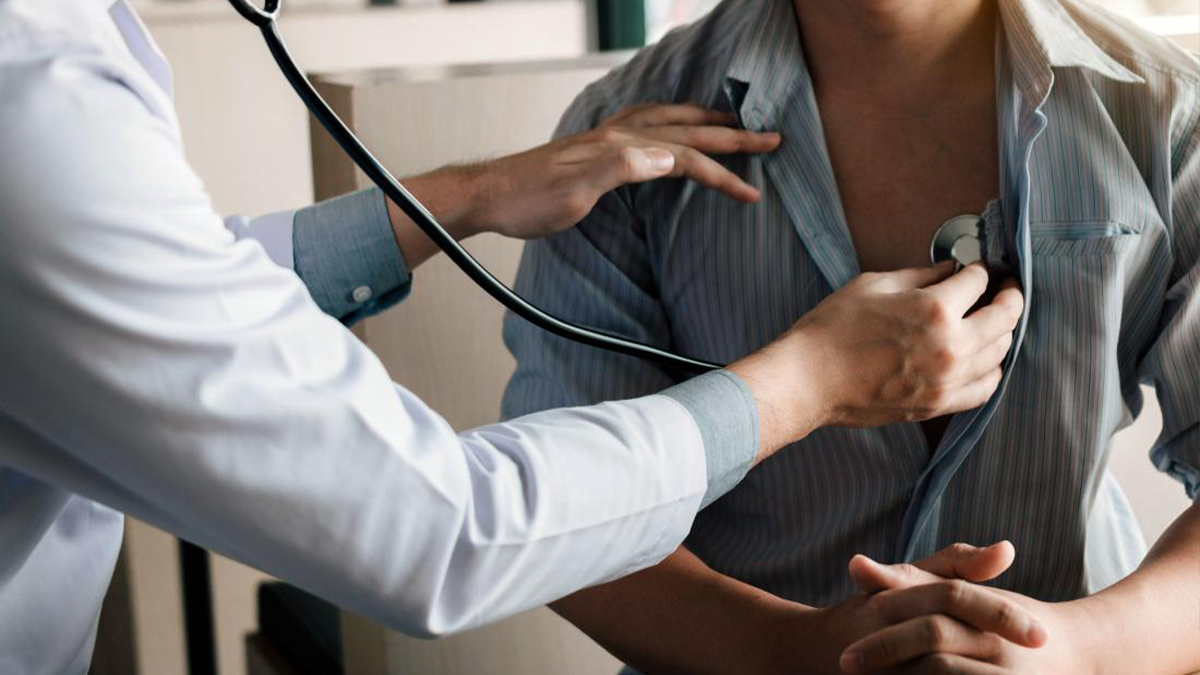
786, 389
453, 195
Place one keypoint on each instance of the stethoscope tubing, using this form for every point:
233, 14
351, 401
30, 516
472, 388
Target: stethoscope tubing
264, 18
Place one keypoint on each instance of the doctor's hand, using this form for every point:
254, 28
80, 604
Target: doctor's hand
888, 347
552, 187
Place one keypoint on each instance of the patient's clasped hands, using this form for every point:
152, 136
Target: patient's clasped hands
932, 617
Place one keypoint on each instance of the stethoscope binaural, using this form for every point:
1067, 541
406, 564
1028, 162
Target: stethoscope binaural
265, 19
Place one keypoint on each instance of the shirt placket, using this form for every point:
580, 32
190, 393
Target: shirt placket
1021, 119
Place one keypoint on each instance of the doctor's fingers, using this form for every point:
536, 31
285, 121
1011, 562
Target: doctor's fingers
952, 298
658, 114
972, 394
999, 316
977, 606
915, 638
909, 279
627, 164
713, 140
982, 360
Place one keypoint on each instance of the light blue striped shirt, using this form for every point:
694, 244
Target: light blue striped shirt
1099, 205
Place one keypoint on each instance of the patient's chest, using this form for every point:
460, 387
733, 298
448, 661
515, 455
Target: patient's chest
901, 174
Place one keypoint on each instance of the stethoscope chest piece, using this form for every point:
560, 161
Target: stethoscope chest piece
958, 239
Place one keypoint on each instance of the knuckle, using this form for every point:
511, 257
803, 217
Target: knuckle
937, 313
991, 644
1006, 614
630, 160
935, 632
952, 593
945, 358
609, 135
936, 398
959, 550
867, 278
577, 204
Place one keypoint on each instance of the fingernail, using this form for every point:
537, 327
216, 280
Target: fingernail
852, 662
660, 160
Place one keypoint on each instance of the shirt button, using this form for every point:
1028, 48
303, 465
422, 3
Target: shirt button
361, 294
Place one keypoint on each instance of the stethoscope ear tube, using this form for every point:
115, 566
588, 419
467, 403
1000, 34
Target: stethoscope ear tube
256, 16
265, 20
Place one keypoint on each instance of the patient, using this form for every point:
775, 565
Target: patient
1077, 134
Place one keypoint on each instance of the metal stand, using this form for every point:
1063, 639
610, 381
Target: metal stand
197, 609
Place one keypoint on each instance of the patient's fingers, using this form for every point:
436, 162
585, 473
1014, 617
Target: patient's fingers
657, 114
981, 607
962, 290
957, 561
714, 139
914, 638
951, 664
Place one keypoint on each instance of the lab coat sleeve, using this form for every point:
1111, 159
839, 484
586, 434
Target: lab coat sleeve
161, 367
1172, 365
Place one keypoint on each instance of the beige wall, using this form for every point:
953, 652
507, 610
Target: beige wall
247, 137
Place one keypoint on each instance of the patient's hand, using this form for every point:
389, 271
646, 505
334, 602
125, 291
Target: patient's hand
940, 584
925, 639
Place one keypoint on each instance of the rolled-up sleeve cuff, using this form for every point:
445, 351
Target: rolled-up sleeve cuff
1179, 458
347, 256
727, 415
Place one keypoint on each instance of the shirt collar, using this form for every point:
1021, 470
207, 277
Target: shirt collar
1042, 35
768, 62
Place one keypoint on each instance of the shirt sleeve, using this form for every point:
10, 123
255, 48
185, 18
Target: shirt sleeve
600, 274
1172, 365
170, 371
342, 249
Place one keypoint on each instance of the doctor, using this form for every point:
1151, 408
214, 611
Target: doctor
156, 365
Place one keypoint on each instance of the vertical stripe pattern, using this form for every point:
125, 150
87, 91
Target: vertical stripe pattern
1100, 194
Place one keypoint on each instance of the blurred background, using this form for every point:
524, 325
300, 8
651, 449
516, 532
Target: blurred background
241, 124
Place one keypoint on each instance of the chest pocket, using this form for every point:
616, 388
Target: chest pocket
1072, 353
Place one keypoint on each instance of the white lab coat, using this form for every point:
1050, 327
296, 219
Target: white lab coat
150, 364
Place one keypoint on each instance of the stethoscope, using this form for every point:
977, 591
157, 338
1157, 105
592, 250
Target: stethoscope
950, 241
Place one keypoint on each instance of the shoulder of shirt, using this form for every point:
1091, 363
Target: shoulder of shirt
1144, 53
1171, 73
661, 72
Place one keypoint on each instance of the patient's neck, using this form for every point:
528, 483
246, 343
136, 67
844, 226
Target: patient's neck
905, 47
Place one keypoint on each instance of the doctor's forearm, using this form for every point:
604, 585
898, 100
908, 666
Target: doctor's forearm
1156, 608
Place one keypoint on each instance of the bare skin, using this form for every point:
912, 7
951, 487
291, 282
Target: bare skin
903, 166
